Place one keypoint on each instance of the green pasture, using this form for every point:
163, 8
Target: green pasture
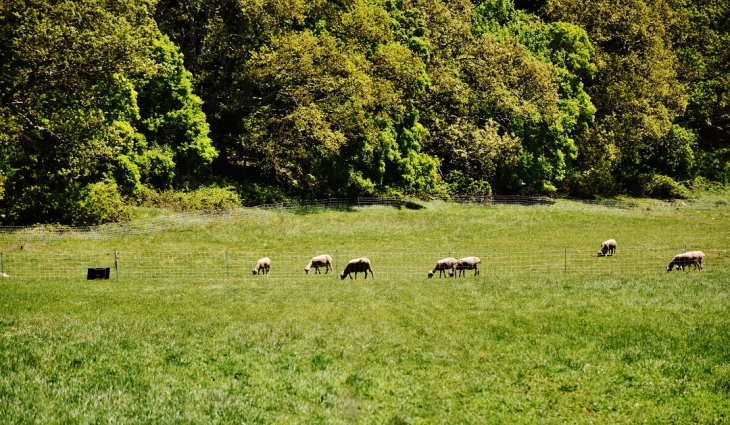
499, 348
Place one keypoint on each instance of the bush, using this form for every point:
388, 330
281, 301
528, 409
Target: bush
100, 203
659, 186
207, 198
462, 184
256, 194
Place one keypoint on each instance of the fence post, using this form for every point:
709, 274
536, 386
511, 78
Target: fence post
228, 270
566, 262
358, 202
262, 210
43, 239
337, 262
116, 264
92, 233
685, 248
2, 264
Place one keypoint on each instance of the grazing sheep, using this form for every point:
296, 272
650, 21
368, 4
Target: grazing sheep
264, 263
319, 261
607, 248
467, 263
687, 259
4, 275
444, 266
358, 265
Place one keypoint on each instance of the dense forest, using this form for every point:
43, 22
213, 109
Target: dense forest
110, 103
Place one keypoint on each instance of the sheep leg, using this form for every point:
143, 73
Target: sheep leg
476, 270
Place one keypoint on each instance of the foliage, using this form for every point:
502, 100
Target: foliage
172, 120
204, 198
636, 90
658, 186
461, 184
365, 97
99, 203
73, 76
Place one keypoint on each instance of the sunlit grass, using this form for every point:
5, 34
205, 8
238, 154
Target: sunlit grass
510, 348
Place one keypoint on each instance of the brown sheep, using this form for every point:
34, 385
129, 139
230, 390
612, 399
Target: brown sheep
264, 263
444, 266
467, 263
607, 248
319, 261
687, 259
358, 265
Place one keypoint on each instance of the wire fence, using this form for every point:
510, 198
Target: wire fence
290, 265
43, 233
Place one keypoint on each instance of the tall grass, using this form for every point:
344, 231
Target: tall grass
508, 348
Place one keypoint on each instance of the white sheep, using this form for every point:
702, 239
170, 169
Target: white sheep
319, 261
358, 265
687, 259
467, 263
444, 266
607, 248
264, 263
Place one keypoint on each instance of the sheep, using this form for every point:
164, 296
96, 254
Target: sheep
358, 265
319, 261
687, 259
442, 266
607, 248
264, 263
467, 263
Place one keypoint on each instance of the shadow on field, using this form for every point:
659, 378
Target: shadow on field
412, 206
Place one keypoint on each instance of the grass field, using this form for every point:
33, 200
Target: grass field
500, 348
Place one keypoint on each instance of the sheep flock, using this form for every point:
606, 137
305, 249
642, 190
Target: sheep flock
452, 267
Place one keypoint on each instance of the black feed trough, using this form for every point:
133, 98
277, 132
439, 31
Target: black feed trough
97, 273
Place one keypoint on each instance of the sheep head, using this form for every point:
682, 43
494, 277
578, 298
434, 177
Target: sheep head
306, 269
430, 274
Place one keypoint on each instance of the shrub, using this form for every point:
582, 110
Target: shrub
659, 186
256, 194
100, 203
207, 198
462, 184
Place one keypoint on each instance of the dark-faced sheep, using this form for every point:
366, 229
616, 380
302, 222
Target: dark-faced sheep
607, 248
358, 265
265, 264
319, 261
444, 266
687, 259
467, 263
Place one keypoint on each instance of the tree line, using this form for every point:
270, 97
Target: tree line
105, 102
